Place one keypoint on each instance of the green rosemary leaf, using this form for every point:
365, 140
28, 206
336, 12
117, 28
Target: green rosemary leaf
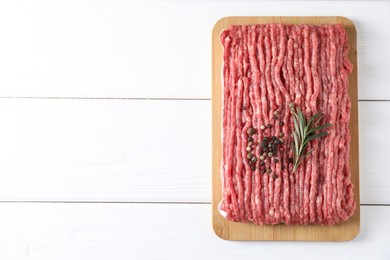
319, 135
296, 126
314, 120
302, 123
296, 143
308, 153
319, 128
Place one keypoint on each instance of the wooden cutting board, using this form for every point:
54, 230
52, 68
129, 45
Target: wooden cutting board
239, 231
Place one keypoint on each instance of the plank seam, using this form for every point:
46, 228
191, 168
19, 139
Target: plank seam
144, 98
148, 202
107, 98
105, 202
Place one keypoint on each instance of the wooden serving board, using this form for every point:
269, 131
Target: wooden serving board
247, 231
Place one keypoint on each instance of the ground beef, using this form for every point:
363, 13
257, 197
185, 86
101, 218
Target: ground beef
266, 67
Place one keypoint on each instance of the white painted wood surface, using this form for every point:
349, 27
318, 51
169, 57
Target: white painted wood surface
152, 48
67, 148
105, 150
137, 150
158, 231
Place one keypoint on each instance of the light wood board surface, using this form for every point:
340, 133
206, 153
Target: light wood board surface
247, 231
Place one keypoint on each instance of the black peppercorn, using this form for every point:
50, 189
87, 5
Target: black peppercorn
251, 131
263, 144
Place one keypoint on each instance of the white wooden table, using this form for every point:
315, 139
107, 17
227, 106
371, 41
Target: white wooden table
105, 130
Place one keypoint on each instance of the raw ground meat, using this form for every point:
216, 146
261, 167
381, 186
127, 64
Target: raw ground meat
267, 67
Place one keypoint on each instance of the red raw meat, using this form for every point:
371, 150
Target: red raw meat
266, 67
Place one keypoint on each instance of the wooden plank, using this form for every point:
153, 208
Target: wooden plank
374, 125
105, 150
65, 231
110, 48
248, 231
66, 150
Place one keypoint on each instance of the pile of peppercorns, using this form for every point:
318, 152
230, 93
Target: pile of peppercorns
251, 157
269, 147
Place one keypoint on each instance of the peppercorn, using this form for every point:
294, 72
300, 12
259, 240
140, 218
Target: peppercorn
249, 156
276, 113
251, 131
264, 171
276, 160
262, 163
253, 168
248, 149
281, 134
274, 176
254, 159
273, 138
262, 127
281, 140
269, 170
250, 139
281, 123
265, 139
270, 154
250, 143
262, 158
276, 117
269, 125
291, 105
263, 144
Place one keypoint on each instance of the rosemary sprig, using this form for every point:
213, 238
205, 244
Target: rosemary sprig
304, 132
